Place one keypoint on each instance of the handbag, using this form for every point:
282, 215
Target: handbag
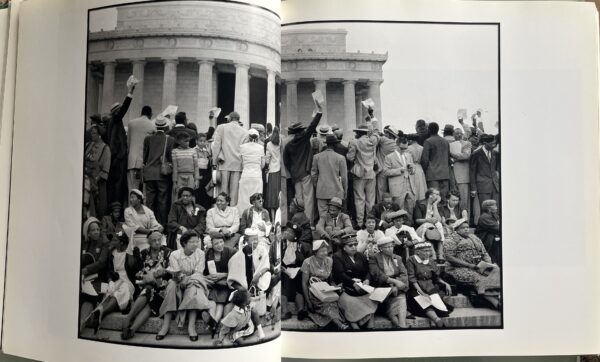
166, 168
323, 291
258, 301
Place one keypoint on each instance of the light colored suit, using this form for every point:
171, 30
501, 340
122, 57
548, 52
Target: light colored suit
461, 174
401, 183
138, 129
330, 175
226, 154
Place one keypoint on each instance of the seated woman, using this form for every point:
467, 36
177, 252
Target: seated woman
185, 215
464, 253
351, 268
426, 215
238, 321
113, 223
423, 277
119, 294
294, 253
223, 221
256, 216
367, 238
217, 268
94, 264
187, 291
488, 230
404, 236
151, 282
298, 217
387, 270
140, 220
320, 266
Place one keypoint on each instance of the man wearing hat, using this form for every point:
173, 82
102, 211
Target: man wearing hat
157, 186
484, 170
435, 160
137, 131
226, 154
318, 143
334, 223
297, 157
387, 145
399, 169
362, 151
117, 142
329, 175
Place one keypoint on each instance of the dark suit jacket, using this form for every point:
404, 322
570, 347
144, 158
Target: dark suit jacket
154, 146
376, 268
344, 270
436, 158
297, 154
483, 172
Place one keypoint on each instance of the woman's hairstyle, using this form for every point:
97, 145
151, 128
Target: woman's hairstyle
152, 232
240, 298
402, 139
371, 216
255, 197
186, 236
453, 193
201, 135
253, 137
275, 136
138, 194
485, 206
224, 194
96, 127
430, 191
412, 137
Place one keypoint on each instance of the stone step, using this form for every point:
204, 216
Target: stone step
458, 301
460, 318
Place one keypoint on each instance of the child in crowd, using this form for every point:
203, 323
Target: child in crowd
238, 322
185, 162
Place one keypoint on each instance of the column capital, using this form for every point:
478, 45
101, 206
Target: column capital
371, 82
138, 61
210, 62
271, 72
241, 65
321, 80
170, 60
291, 81
349, 81
109, 63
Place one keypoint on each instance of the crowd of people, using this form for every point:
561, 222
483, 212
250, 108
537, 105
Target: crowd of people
389, 223
180, 224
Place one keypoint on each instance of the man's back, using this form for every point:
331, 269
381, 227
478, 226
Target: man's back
226, 146
138, 129
435, 158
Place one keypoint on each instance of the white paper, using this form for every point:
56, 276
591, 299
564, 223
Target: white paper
379, 294
368, 103
292, 272
212, 268
367, 288
169, 111
132, 81
318, 97
216, 111
455, 147
88, 288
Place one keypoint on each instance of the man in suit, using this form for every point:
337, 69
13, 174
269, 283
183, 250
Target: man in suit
484, 168
399, 169
334, 223
329, 175
387, 145
156, 184
342, 149
461, 169
226, 154
138, 129
436, 160
297, 157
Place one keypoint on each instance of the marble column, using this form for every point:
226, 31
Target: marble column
242, 93
349, 105
215, 92
169, 82
292, 101
321, 85
92, 92
359, 108
271, 97
138, 95
205, 93
375, 95
108, 86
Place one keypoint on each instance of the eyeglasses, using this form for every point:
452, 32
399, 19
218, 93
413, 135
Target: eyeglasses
352, 244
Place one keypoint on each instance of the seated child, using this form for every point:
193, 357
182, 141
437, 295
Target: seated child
238, 322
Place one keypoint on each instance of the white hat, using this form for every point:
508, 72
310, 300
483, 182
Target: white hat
384, 240
253, 132
251, 232
318, 243
459, 222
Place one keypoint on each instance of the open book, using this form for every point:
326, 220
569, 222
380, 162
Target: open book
162, 161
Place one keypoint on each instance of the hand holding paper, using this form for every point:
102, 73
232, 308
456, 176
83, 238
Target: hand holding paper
131, 82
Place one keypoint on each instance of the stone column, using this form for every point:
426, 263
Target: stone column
291, 98
108, 86
92, 92
169, 82
375, 95
271, 97
242, 93
349, 105
138, 95
359, 108
205, 93
321, 85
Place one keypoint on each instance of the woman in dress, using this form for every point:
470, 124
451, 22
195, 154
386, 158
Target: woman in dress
97, 157
464, 253
387, 270
217, 269
273, 160
253, 161
351, 269
187, 291
140, 220
185, 215
151, 281
488, 230
223, 221
256, 216
423, 278
416, 150
320, 266
294, 253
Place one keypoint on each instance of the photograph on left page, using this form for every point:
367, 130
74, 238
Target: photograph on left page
181, 179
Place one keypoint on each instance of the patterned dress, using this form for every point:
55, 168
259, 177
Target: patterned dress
323, 313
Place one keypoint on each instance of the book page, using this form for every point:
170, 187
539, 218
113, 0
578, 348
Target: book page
76, 60
526, 75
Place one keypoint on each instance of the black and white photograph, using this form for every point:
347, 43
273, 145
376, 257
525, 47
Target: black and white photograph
391, 192
180, 221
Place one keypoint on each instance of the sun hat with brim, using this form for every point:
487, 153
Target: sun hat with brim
137, 192
422, 245
335, 201
161, 122
391, 131
324, 130
114, 106
87, 224
459, 222
318, 244
384, 241
396, 214
362, 129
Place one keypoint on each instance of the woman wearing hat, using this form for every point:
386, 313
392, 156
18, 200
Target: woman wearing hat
151, 281
185, 215
319, 266
94, 251
294, 252
470, 265
223, 221
253, 161
424, 277
139, 220
351, 269
97, 160
387, 270
112, 224
403, 236
367, 238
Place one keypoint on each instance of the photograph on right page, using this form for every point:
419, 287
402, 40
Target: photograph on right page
391, 192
